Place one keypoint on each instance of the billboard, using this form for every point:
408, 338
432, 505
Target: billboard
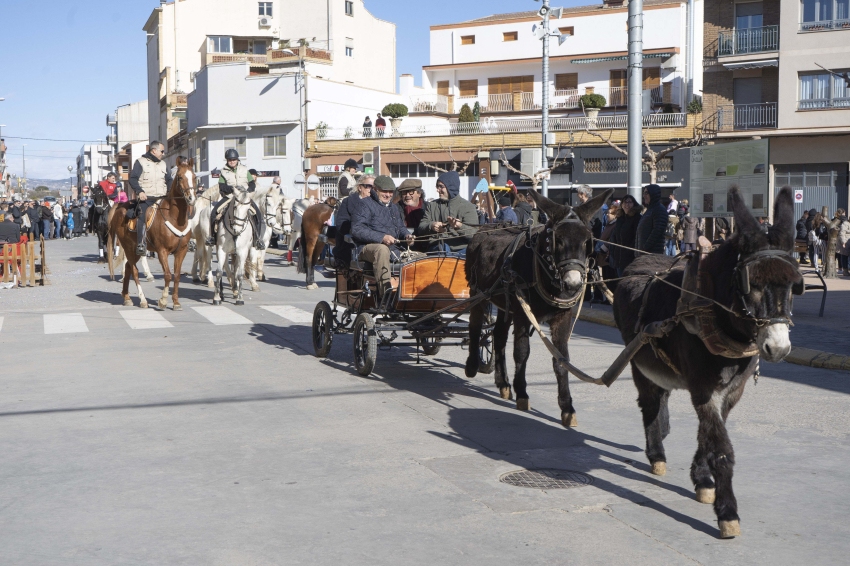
714, 168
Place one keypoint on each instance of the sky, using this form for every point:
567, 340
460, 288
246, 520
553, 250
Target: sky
69, 63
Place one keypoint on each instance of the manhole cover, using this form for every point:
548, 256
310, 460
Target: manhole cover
546, 479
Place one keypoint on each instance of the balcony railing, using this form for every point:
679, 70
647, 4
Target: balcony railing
752, 40
430, 103
746, 117
293, 54
254, 59
825, 25
823, 103
503, 126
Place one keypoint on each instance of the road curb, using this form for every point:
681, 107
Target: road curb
798, 356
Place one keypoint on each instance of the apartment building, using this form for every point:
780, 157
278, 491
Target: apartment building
93, 164
128, 136
338, 40
765, 76
494, 64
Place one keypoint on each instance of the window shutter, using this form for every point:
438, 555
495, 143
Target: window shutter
566, 81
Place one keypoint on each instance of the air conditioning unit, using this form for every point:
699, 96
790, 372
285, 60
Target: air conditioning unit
530, 159
368, 158
265, 22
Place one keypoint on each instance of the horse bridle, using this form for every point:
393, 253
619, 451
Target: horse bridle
742, 283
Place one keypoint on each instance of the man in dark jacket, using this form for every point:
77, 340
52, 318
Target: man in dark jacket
802, 232
378, 226
342, 250
653, 223
10, 231
524, 212
506, 212
35, 221
450, 214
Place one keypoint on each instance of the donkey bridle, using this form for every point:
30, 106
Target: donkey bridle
742, 283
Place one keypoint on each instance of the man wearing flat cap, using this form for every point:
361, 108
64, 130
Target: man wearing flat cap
378, 226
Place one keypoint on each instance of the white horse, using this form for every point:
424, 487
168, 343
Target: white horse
200, 224
233, 245
269, 202
298, 208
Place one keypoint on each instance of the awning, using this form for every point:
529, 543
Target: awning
622, 58
752, 64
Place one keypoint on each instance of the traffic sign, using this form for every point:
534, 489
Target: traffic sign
798, 196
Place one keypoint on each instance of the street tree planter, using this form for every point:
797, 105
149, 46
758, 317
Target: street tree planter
592, 114
396, 124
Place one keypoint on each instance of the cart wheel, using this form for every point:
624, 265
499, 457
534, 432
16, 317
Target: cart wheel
486, 359
323, 331
430, 345
365, 344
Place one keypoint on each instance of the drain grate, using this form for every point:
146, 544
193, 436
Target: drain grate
546, 479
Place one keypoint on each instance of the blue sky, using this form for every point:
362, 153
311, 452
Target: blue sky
69, 63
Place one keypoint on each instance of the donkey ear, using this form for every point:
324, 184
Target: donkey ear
587, 210
552, 209
781, 234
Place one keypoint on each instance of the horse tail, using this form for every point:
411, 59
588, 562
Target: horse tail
301, 266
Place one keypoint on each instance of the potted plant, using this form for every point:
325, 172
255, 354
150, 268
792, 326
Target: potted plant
321, 130
395, 112
466, 120
591, 104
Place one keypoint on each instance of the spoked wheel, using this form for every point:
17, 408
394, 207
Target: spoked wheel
365, 344
323, 331
486, 359
430, 345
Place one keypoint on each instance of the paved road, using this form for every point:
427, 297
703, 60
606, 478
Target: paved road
215, 437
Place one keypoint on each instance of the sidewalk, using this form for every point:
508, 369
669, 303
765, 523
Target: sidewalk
818, 342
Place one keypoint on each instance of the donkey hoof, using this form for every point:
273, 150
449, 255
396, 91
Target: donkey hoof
729, 529
569, 420
505, 393
177, 307
312, 286
659, 468
705, 495
240, 303
143, 305
523, 404
471, 368
196, 280
128, 303
255, 288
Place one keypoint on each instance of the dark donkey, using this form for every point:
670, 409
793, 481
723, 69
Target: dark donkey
549, 271
739, 310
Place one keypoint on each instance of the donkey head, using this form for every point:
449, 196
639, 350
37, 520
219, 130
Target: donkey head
766, 274
567, 241
185, 178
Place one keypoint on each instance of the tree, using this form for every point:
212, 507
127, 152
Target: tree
466, 114
460, 171
538, 177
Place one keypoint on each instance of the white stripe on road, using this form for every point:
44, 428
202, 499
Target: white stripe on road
64, 323
221, 316
143, 319
290, 313
1, 323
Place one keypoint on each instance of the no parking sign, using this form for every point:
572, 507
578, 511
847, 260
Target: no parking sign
798, 196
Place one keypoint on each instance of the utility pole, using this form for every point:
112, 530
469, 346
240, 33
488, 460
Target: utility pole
544, 81
635, 98
24, 178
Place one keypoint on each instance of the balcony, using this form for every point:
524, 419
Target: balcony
430, 104
258, 60
824, 25
309, 54
738, 117
112, 139
110, 120
745, 41
823, 103
175, 100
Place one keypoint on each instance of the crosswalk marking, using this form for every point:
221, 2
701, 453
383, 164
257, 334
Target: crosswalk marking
144, 319
65, 323
1, 323
221, 316
290, 313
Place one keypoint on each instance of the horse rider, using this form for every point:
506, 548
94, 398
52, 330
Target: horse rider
234, 175
346, 181
450, 214
378, 226
110, 187
149, 180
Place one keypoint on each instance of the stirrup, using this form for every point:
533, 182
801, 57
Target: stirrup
141, 250
259, 245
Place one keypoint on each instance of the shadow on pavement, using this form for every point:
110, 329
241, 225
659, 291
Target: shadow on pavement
106, 297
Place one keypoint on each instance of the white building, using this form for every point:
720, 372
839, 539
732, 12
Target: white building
337, 40
93, 164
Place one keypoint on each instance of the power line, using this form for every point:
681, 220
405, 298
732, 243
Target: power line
100, 141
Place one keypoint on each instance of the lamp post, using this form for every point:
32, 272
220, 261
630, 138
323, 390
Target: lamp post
635, 79
301, 86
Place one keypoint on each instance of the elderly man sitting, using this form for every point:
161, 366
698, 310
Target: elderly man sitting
450, 214
378, 226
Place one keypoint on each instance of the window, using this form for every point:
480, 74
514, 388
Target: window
237, 143
468, 88
274, 146
220, 44
823, 90
618, 93
621, 165
204, 151
813, 175
443, 88
566, 81
467, 40
349, 47
510, 36
266, 9
259, 47
569, 30
825, 14
349, 8
651, 77
509, 85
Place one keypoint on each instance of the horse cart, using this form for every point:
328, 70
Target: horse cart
426, 307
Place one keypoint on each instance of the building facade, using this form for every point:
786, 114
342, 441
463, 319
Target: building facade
93, 164
767, 75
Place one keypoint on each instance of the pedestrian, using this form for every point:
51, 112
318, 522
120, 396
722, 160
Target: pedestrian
524, 211
690, 232
602, 252
506, 213
76, 219
35, 220
367, 127
814, 239
625, 234
653, 223
69, 225
764, 225
673, 205
671, 239
84, 215
843, 244
58, 213
584, 193
802, 232
45, 214
380, 125
683, 208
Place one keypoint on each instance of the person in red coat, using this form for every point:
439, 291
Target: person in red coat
109, 186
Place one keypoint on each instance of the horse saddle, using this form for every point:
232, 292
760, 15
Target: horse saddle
131, 223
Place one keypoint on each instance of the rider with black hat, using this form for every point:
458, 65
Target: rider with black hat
346, 181
234, 175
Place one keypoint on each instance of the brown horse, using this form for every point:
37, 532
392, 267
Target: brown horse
312, 222
168, 234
